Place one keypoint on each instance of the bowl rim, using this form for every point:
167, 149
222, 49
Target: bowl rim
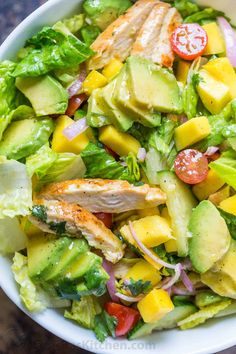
9, 289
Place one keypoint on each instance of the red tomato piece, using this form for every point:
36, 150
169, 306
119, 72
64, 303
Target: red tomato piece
189, 41
126, 317
191, 166
106, 218
111, 152
74, 103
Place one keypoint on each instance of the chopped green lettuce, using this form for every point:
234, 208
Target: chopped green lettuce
41, 161
186, 7
225, 167
133, 166
204, 314
52, 50
190, 98
100, 164
12, 237
84, 311
230, 220
7, 94
15, 189
203, 16
161, 138
105, 326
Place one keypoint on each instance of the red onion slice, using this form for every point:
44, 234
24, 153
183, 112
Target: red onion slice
230, 39
141, 154
186, 281
175, 278
77, 84
177, 291
211, 151
75, 129
128, 298
111, 284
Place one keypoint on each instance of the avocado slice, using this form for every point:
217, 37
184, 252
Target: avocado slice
97, 115
222, 277
180, 203
153, 87
125, 103
118, 118
169, 321
44, 252
210, 238
45, 93
76, 248
24, 137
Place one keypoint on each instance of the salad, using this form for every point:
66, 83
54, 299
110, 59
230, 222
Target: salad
118, 167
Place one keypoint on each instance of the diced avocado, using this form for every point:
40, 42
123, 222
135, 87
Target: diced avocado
97, 115
153, 87
210, 238
169, 321
222, 277
24, 137
46, 94
44, 252
180, 203
70, 254
207, 297
104, 12
124, 102
118, 118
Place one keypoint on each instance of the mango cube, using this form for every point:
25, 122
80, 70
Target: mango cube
229, 205
61, 144
151, 230
182, 70
144, 271
171, 245
213, 93
210, 185
191, 132
148, 212
112, 68
218, 197
165, 214
121, 143
93, 81
222, 70
215, 44
155, 305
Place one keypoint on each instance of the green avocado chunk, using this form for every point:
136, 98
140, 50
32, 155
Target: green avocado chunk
46, 94
24, 137
210, 238
123, 100
154, 87
222, 277
97, 115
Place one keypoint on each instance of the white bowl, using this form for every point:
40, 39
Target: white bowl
214, 336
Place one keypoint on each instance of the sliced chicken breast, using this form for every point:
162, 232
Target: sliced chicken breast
77, 221
162, 51
108, 196
118, 38
148, 35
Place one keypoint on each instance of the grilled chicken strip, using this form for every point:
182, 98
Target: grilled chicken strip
118, 38
108, 196
54, 216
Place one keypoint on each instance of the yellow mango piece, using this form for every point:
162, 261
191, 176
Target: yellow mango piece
229, 205
182, 70
223, 71
155, 305
218, 197
213, 92
144, 271
121, 143
29, 228
151, 230
191, 132
61, 144
93, 81
112, 68
171, 245
210, 185
216, 43
148, 212
165, 214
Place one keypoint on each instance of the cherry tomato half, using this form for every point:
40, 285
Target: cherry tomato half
106, 218
126, 317
189, 41
74, 103
191, 166
111, 152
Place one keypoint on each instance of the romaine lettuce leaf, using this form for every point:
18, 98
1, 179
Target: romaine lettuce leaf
190, 98
225, 167
15, 189
7, 94
33, 297
12, 237
100, 164
206, 15
230, 220
186, 7
40, 162
52, 50
84, 311
162, 137
133, 166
